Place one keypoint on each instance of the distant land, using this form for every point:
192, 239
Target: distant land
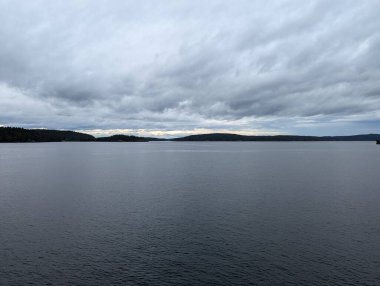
126, 138
12, 134
236, 137
18, 135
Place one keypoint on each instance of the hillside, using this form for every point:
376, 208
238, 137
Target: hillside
14, 134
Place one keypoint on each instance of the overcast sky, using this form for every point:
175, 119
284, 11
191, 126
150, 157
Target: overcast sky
169, 68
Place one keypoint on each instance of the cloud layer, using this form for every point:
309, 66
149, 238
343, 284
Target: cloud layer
307, 67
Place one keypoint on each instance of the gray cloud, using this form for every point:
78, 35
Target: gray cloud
267, 66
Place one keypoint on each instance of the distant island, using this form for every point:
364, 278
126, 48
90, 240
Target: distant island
126, 138
15, 134
278, 138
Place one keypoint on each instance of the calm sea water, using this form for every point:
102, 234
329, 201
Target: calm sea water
170, 213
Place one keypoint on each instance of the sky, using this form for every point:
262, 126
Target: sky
173, 68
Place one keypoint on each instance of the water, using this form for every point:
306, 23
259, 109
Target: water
168, 213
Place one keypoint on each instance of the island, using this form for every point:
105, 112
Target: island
122, 138
16, 134
276, 138
20, 135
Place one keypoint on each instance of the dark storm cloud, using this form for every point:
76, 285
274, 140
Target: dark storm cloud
225, 65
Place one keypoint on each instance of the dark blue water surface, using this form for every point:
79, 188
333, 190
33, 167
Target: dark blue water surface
168, 213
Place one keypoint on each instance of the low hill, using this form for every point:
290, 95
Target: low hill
236, 137
122, 138
14, 134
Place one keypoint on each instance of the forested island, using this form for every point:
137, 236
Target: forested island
127, 138
236, 137
15, 134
